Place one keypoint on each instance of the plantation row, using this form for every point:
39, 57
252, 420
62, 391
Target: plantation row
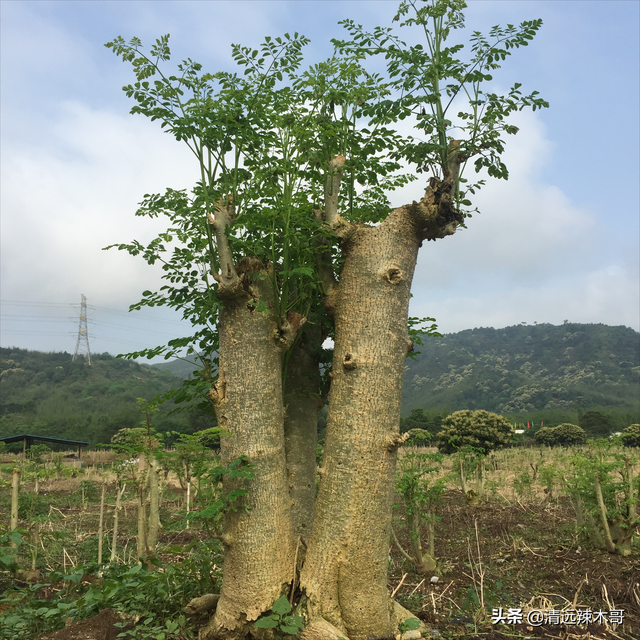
140, 530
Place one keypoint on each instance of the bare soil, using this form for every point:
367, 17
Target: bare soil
100, 627
529, 555
530, 558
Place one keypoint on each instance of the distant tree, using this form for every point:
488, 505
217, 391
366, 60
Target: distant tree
418, 419
545, 436
569, 434
482, 430
564, 435
418, 438
36, 452
596, 424
631, 436
209, 438
135, 437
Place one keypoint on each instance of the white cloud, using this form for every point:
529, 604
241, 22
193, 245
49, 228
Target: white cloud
609, 295
60, 208
530, 256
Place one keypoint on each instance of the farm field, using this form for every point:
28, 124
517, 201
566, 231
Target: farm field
515, 545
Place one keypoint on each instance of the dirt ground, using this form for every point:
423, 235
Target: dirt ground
100, 627
523, 556
526, 556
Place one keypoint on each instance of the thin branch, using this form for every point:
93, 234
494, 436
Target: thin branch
222, 218
402, 551
332, 191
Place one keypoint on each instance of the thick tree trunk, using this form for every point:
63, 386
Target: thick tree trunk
345, 573
346, 568
303, 401
258, 538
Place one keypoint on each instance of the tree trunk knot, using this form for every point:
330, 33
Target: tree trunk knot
349, 363
410, 346
393, 275
217, 392
287, 333
393, 441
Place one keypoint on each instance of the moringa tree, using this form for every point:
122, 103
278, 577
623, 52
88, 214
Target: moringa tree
287, 239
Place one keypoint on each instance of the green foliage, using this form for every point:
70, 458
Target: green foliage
220, 499
133, 437
150, 630
522, 483
416, 333
596, 424
564, 435
545, 436
10, 546
156, 598
280, 620
263, 140
601, 468
431, 79
418, 438
88, 403
482, 430
36, 452
410, 624
569, 434
631, 436
550, 477
414, 481
420, 419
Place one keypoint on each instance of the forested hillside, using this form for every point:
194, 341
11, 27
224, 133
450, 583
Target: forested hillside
526, 369
49, 394
539, 372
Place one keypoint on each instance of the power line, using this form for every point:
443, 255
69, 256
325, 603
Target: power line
128, 314
35, 318
27, 303
49, 333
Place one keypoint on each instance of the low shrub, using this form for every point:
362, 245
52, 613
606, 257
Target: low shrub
631, 436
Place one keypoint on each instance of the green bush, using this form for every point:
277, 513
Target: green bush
564, 435
545, 436
631, 436
481, 430
135, 437
418, 438
209, 438
568, 434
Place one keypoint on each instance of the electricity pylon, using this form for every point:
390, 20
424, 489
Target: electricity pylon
83, 334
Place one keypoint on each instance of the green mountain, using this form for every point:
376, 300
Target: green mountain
528, 368
580, 373
49, 394
182, 369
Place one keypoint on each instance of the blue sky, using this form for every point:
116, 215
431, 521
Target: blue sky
559, 240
